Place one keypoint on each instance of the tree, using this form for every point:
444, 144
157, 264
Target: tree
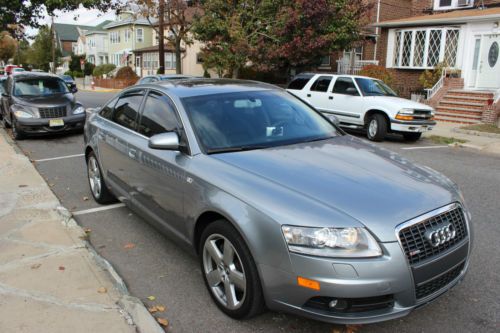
41, 50
177, 21
8, 46
14, 13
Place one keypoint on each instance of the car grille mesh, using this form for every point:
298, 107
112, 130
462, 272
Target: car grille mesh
416, 246
57, 112
439, 282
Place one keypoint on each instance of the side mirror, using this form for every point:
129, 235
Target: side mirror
74, 90
165, 141
352, 91
333, 119
4, 94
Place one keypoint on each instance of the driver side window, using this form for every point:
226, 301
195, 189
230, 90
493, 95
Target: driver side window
345, 86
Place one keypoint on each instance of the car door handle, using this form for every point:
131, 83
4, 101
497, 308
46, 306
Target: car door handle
308, 95
330, 97
132, 153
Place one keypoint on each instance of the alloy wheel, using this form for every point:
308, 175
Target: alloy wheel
373, 128
94, 176
224, 271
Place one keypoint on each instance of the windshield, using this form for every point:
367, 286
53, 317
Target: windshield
18, 70
252, 120
67, 78
371, 87
40, 87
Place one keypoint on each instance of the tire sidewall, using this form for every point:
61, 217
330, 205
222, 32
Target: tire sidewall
381, 127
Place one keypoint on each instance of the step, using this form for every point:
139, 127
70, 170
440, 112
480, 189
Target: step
467, 98
457, 120
458, 110
470, 93
458, 115
463, 105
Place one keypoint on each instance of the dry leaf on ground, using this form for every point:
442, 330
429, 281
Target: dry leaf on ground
87, 230
129, 246
160, 308
353, 328
85, 198
35, 266
151, 298
22, 185
152, 309
102, 290
62, 268
162, 321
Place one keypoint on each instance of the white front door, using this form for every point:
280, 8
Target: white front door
138, 70
488, 75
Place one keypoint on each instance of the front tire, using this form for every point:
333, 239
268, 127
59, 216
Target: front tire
377, 127
98, 187
4, 121
17, 133
412, 137
230, 272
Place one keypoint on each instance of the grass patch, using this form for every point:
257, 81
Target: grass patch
442, 140
483, 128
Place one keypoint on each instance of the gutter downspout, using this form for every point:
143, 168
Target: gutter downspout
377, 31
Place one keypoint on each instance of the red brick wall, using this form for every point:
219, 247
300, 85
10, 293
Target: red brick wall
422, 7
405, 81
491, 114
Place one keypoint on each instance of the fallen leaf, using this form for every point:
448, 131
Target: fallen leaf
87, 230
102, 290
36, 266
62, 268
160, 308
22, 185
153, 309
353, 328
101, 246
151, 298
84, 198
129, 246
162, 321
52, 184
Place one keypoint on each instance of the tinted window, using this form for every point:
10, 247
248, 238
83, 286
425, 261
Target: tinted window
345, 85
158, 115
299, 82
321, 84
127, 109
107, 110
371, 87
39, 87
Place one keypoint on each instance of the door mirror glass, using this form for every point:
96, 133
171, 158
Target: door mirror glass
333, 119
352, 91
165, 141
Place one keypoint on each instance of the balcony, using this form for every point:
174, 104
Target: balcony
346, 67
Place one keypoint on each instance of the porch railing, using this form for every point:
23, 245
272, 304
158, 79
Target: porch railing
432, 91
346, 67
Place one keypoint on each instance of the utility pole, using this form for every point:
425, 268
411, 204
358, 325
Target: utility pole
53, 34
161, 33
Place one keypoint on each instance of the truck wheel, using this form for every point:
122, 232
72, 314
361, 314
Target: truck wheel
376, 128
411, 137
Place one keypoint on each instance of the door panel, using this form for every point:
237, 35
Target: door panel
318, 94
489, 65
347, 103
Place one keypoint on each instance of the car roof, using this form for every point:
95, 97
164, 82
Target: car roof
197, 87
311, 74
31, 75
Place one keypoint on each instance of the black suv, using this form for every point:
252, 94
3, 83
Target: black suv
38, 103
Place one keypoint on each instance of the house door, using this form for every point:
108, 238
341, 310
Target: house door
138, 66
475, 62
488, 75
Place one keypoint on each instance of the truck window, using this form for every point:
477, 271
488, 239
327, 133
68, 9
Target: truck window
321, 84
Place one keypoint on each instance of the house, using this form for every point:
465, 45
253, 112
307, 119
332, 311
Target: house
97, 47
463, 34
128, 33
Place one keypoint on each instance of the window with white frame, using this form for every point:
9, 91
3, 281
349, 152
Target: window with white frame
452, 4
139, 35
128, 35
425, 47
114, 37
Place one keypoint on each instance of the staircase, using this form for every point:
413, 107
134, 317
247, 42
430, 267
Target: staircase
463, 106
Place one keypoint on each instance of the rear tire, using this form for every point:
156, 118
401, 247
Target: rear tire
377, 127
98, 187
227, 265
412, 137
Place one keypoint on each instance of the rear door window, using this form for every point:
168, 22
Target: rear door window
107, 110
299, 82
126, 111
158, 115
321, 84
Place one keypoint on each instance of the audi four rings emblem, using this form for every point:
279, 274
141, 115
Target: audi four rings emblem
441, 234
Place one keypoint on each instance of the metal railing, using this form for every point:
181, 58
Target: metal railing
432, 91
345, 66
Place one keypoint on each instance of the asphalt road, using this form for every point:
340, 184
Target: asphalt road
157, 267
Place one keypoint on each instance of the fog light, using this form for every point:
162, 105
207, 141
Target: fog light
333, 303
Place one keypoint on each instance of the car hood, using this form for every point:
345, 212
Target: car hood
46, 101
398, 103
376, 187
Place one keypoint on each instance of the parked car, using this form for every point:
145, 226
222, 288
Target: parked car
70, 83
281, 206
364, 103
17, 70
163, 77
36, 103
9, 69
3, 79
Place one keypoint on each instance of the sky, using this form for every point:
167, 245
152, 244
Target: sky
80, 16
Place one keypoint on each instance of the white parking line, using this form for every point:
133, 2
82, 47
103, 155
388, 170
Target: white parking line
428, 147
58, 158
98, 209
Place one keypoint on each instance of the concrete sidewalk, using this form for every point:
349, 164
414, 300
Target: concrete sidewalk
50, 279
480, 142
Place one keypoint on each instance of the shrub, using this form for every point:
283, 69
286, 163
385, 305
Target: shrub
77, 74
126, 73
429, 78
70, 73
88, 68
101, 70
377, 72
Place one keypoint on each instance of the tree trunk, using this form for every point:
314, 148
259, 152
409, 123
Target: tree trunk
178, 56
161, 39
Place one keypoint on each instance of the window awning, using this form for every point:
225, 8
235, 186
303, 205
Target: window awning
454, 17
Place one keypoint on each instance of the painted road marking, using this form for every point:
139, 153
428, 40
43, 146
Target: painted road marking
428, 147
98, 209
58, 158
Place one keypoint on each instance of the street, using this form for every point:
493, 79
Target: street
154, 266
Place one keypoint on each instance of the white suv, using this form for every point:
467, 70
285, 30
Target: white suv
364, 103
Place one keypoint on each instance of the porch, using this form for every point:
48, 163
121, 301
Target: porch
346, 66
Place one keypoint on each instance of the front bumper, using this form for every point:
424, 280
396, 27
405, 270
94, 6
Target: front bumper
378, 289
42, 125
417, 126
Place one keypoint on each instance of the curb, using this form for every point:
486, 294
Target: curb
476, 133
132, 306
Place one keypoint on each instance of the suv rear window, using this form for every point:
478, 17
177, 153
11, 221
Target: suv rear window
299, 82
321, 84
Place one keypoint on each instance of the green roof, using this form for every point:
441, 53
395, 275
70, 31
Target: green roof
69, 32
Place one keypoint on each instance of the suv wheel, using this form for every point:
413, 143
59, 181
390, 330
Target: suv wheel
376, 127
98, 187
230, 272
412, 136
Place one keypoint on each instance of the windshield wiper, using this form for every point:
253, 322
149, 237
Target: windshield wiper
320, 138
233, 149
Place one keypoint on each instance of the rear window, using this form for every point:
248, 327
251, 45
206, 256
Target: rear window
321, 84
299, 82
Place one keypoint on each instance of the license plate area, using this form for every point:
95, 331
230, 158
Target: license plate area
56, 122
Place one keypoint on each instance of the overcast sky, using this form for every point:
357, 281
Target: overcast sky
80, 16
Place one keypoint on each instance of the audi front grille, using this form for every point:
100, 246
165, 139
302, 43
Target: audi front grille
430, 287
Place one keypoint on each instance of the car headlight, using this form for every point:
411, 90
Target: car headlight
405, 114
331, 242
21, 112
79, 110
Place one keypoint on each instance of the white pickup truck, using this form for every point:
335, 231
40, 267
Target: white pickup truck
361, 102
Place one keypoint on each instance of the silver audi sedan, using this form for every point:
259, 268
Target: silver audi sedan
282, 208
